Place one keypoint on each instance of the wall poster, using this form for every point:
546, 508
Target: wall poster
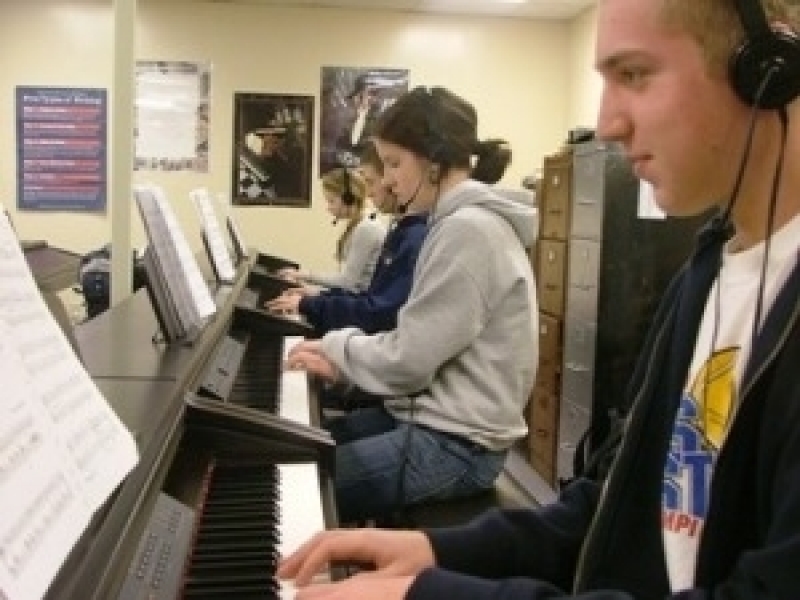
171, 116
272, 149
352, 98
61, 148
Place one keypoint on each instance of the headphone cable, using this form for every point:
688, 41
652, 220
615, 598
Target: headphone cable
773, 69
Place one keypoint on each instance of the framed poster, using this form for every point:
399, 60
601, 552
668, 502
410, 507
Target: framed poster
61, 148
272, 149
352, 99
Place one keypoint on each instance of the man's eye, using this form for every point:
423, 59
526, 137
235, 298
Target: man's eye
632, 76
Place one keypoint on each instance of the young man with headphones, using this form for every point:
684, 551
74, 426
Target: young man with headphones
702, 497
374, 309
359, 246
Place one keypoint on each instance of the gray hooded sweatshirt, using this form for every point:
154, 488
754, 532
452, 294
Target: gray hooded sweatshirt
463, 356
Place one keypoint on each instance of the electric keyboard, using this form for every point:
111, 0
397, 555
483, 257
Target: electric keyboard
226, 422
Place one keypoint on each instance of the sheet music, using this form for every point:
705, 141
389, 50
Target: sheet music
187, 287
216, 242
63, 450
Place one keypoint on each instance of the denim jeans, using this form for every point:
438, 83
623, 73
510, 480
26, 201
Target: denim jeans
383, 464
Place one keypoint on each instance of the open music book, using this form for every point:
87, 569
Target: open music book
182, 300
63, 450
213, 238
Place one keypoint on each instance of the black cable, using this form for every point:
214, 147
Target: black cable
748, 143
770, 219
776, 181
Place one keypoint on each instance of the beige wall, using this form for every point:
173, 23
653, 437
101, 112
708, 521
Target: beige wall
586, 84
521, 75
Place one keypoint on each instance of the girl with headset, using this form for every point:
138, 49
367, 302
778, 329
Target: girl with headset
450, 381
359, 245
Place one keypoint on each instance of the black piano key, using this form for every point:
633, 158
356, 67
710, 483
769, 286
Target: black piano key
257, 382
237, 534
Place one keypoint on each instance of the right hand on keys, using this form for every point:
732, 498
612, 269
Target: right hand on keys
393, 557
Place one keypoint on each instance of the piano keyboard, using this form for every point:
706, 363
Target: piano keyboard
242, 373
249, 515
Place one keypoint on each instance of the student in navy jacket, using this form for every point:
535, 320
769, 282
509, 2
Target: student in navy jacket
702, 498
374, 309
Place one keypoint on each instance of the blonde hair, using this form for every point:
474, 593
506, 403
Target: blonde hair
338, 182
716, 25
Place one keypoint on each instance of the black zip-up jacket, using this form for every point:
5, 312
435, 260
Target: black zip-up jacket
375, 309
605, 542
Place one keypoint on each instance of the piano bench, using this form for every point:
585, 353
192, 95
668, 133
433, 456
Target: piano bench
444, 513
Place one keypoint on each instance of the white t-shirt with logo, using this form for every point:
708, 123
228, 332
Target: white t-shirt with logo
710, 399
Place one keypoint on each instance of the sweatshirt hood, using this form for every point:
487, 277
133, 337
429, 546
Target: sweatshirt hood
515, 206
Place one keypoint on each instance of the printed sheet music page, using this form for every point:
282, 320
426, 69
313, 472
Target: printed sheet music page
63, 450
216, 241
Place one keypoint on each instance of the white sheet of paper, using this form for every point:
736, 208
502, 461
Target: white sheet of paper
647, 207
63, 450
188, 289
216, 242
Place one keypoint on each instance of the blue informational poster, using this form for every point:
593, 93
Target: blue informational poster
61, 149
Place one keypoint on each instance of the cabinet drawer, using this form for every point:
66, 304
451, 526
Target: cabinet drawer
552, 276
587, 196
556, 197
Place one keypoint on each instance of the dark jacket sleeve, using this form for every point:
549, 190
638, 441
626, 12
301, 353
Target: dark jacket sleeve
375, 309
511, 553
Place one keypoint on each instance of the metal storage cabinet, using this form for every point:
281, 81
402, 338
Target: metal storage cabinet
619, 264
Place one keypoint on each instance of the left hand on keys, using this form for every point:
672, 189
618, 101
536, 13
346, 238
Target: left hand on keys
308, 356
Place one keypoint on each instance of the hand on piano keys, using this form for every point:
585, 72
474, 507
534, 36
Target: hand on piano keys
308, 356
395, 558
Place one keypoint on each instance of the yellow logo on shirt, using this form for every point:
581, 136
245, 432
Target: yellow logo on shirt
714, 390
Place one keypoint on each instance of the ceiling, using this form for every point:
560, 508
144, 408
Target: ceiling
530, 9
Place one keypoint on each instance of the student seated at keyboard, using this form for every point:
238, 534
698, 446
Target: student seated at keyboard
374, 309
454, 375
359, 245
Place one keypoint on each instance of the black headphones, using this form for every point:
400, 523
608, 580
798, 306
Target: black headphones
765, 57
348, 197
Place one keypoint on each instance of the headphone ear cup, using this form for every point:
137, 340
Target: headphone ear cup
753, 60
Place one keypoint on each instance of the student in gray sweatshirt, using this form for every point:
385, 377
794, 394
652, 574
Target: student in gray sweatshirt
455, 374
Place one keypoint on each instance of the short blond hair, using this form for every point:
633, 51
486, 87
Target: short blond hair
716, 26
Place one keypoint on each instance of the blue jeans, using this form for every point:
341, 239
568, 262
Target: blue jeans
383, 464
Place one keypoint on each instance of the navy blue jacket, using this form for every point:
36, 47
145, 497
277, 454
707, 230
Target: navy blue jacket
608, 545
374, 309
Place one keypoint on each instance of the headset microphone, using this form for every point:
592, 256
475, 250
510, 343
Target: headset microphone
403, 207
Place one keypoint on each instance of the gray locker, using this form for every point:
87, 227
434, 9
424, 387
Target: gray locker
618, 267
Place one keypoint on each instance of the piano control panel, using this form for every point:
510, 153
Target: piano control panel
157, 568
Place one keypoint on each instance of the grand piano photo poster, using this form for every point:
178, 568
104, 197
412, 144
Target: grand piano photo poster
272, 150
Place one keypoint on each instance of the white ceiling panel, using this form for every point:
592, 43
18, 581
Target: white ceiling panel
530, 9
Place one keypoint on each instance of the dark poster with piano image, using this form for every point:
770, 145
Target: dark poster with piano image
272, 150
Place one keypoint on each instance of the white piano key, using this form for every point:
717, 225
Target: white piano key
301, 511
294, 389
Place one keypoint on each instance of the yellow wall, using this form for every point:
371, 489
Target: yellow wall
521, 75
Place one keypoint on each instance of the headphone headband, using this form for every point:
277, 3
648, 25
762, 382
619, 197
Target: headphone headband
765, 68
